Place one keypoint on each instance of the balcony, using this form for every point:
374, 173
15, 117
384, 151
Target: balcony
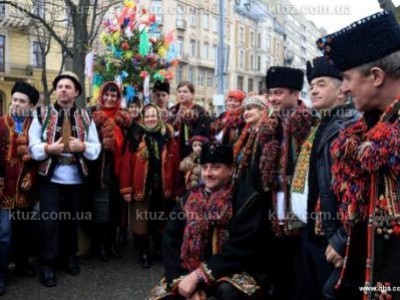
10, 17
183, 57
181, 24
16, 70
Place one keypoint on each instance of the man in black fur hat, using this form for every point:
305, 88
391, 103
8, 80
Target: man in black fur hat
312, 199
161, 91
17, 179
365, 171
293, 121
212, 241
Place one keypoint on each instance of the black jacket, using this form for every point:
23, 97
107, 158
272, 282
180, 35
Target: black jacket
242, 252
340, 118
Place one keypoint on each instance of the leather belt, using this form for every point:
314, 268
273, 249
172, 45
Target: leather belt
66, 160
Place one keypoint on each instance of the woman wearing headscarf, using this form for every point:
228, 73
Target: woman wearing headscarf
106, 200
228, 126
148, 177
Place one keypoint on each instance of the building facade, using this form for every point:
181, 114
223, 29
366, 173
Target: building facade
21, 54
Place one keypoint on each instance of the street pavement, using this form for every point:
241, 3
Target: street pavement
116, 279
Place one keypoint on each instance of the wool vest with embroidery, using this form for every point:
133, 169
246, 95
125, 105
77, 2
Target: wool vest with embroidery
51, 118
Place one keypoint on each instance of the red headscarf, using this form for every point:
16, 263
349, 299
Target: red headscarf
237, 94
110, 114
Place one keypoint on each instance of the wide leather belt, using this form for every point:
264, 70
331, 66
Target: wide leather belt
66, 160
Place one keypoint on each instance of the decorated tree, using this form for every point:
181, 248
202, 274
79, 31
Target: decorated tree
135, 54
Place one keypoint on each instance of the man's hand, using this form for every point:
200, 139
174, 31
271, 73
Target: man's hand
127, 197
188, 285
333, 257
76, 145
54, 148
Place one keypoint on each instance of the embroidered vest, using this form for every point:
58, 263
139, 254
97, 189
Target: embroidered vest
52, 119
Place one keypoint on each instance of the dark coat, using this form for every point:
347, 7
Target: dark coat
200, 127
241, 252
341, 118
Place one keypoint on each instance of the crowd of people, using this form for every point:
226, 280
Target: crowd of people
270, 200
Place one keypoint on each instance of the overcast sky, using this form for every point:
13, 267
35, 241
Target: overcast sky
335, 14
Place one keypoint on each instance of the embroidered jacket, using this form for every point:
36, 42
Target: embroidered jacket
366, 180
134, 170
17, 171
241, 251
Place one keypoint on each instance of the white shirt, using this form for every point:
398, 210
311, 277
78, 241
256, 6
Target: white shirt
63, 174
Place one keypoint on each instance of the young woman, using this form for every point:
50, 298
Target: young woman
106, 200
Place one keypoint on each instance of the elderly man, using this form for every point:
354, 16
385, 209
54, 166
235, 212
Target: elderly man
312, 198
365, 171
17, 178
212, 243
62, 137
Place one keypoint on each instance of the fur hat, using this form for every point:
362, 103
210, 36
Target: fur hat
321, 68
27, 89
216, 153
363, 41
285, 77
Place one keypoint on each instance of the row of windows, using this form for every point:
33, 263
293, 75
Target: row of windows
37, 54
206, 19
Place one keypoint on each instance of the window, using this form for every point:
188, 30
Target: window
201, 78
180, 12
206, 50
210, 79
191, 74
2, 9
37, 54
215, 24
2, 52
157, 10
240, 82
250, 84
206, 21
252, 39
259, 40
192, 48
241, 58
214, 52
241, 34
193, 17
258, 63
260, 86
179, 73
268, 41
252, 62
179, 45
39, 8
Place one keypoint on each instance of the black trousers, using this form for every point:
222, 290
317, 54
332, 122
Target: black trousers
58, 220
317, 269
286, 268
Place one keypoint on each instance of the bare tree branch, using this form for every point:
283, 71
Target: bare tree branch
42, 21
